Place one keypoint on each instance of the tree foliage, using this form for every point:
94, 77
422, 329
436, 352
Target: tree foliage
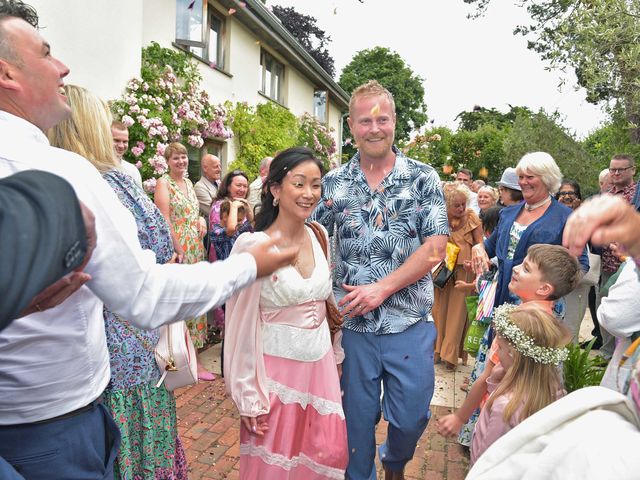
388, 68
305, 30
481, 116
609, 140
598, 39
542, 132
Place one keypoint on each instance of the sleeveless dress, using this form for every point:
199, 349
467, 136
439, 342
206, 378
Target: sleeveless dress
184, 211
279, 362
145, 415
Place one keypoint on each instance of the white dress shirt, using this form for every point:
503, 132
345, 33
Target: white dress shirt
131, 170
56, 361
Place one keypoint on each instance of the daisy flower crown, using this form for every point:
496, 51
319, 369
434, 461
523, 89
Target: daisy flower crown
522, 342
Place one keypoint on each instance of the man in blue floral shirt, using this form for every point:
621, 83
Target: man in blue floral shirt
391, 228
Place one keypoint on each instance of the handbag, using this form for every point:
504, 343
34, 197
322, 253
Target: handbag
441, 274
174, 353
473, 337
176, 356
592, 277
334, 317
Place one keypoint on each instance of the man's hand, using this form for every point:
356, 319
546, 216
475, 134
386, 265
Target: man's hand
255, 425
603, 219
92, 237
56, 293
269, 259
362, 299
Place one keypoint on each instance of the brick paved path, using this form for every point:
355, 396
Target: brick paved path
209, 428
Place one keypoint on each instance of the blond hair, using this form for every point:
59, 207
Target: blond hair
490, 190
557, 267
88, 131
371, 89
531, 385
452, 189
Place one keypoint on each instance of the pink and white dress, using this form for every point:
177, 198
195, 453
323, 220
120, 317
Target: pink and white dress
279, 362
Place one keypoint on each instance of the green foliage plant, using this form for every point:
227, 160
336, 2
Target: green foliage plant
543, 132
581, 369
166, 104
260, 131
433, 147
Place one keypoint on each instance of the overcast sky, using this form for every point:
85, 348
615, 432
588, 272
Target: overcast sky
463, 62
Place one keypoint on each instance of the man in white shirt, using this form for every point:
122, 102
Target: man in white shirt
207, 187
55, 363
120, 134
465, 176
255, 188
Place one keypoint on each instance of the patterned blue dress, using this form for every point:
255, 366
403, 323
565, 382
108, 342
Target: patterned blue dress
146, 415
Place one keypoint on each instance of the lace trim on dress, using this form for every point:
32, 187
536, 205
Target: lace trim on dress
293, 343
288, 395
285, 463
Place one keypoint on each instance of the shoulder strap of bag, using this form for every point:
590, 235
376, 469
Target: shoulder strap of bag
317, 230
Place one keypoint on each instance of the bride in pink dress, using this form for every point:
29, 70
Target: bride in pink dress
280, 365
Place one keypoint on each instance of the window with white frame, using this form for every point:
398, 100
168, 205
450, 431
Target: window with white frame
271, 76
206, 40
189, 25
320, 105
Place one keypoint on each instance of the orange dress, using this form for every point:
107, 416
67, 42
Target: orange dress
450, 310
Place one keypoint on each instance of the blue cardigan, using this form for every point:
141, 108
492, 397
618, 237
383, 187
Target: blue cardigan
547, 229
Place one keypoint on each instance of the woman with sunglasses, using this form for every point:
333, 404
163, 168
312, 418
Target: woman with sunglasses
234, 186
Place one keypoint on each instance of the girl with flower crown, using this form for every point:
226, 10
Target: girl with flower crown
530, 347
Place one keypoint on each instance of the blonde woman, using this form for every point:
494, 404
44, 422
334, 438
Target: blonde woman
144, 413
177, 200
487, 198
450, 309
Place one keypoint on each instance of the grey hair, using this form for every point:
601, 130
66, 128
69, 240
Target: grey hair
543, 165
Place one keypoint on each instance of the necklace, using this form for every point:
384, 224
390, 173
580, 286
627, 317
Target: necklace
531, 208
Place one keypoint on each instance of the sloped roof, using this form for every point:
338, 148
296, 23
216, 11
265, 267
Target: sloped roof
268, 28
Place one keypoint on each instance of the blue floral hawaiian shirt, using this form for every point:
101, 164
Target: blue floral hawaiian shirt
378, 230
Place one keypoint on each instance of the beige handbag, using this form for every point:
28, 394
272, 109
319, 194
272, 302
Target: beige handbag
592, 277
176, 356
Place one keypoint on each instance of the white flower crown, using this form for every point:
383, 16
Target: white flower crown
522, 342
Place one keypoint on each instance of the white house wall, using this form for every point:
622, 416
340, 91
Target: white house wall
100, 41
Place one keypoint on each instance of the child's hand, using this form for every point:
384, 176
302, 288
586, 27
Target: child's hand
468, 267
462, 285
449, 425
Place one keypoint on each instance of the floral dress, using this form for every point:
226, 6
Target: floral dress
144, 413
184, 212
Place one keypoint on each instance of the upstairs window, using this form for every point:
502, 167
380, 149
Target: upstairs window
271, 76
206, 40
320, 105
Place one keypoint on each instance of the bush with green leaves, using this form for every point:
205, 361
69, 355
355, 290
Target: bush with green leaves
164, 105
260, 131
581, 369
265, 129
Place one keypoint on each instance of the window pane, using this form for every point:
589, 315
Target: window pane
320, 105
189, 20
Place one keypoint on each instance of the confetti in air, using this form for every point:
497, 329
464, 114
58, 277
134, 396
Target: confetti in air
483, 172
212, 64
232, 11
375, 110
190, 7
242, 4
